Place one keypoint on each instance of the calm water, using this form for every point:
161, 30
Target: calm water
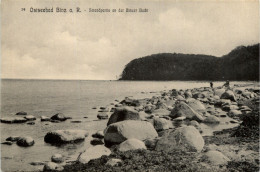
72, 98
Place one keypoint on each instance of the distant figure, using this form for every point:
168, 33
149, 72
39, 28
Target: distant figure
211, 84
226, 84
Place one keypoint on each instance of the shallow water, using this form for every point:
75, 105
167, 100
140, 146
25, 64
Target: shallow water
72, 98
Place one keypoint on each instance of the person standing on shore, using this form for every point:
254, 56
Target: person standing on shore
211, 84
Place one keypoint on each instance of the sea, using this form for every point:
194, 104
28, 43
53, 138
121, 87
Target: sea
73, 98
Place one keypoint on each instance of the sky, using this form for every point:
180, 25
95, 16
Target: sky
97, 46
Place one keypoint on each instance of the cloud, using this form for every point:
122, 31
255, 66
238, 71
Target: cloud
98, 45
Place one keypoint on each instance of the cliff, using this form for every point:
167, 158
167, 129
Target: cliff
242, 63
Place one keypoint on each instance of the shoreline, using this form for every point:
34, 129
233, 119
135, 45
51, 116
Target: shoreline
220, 141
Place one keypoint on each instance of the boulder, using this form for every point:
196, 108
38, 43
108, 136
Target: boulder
51, 166
160, 124
143, 115
118, 132
130, 102
161, 112
65, 136
187, 94
219, 92
30, 117
96, 141
131, 144
228, 95
212, 120
124, 113
185, 138
21, 113
234, 113
182, 109
93, 153
180, 98
11, 120
57, 158
98, 134
25, 141
215, 158
102, 115
59, 117
196, 105
45, 118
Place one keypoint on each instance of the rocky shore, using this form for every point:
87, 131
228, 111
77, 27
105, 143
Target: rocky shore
169, 132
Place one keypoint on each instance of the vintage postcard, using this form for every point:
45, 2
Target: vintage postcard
127, 85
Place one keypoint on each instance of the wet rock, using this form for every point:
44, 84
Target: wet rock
215, 158
160, 124
11, 120
118, 132
93, 153
65, 136
228, 95
122, 114
96, 141
185, 138
94, 107
45, 118
7, 143
182, 109
77, 121
102, 115
114, 162
13, 138
36, 163
25, 141
21, 113
131, 144
174, 93
59, 117
98, 134
212, 120
57, 158
52, 166
118, 105
30, 117
30, 123
198, 95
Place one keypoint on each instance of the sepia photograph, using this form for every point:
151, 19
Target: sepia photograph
127, 85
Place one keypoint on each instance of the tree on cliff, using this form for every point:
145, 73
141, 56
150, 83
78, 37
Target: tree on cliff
242, 63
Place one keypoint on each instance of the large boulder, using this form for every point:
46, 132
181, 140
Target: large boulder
25, 141
160, 124
130, 102
98, 134
182, 109
51, 166
185, 138
93, 153
219, 92
118, 132
228, 95
124, 113
65, 136
59, 117
196, 105
212, 119
131, 144
11, 120
215, 158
